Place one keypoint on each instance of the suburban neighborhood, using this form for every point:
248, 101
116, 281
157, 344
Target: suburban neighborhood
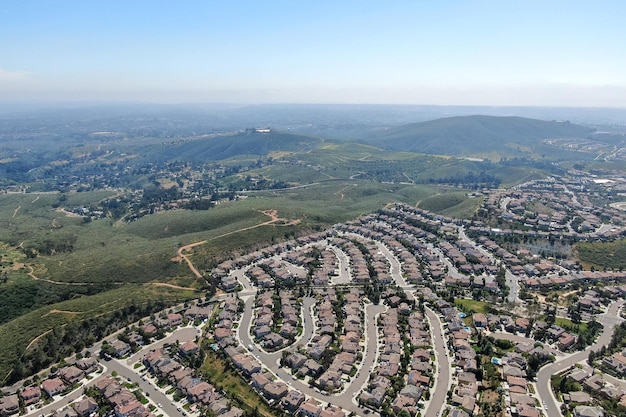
399, 312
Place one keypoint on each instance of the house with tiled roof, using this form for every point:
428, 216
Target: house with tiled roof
566, 341
85, 407
53, 386
128, 409
332, 411
310, 408
31, 395
71, 374
9, 405
189, 347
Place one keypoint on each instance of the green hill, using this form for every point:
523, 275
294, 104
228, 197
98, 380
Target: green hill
223, 147
478, 136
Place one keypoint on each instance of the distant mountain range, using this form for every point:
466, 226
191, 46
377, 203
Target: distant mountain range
490, 137
477, 135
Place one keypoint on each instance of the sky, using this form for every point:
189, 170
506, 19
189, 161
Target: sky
501, 53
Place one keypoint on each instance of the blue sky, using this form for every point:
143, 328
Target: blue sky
543, 53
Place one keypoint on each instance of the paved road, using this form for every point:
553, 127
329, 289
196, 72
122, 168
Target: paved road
544, 391
343, 265
442, 384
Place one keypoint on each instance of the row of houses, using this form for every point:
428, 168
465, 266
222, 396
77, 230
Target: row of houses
328, 333
63, 379
264, 325
493, 322
159, 363
275, 391
223, 332
123, 401
417, 376
595, 386
318, 258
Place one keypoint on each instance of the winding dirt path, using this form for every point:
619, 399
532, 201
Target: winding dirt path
36, 278
274, 219
340, 192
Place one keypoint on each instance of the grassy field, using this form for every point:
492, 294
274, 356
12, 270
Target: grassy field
569, 326
472, 305
448, 201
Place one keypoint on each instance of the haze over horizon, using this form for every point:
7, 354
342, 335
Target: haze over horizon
559, 53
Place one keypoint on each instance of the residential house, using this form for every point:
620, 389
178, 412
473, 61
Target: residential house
332, 411
31, 395
71, 374
174, 319
9, 405
189, 347
53, 386
310, 408
588, 411
566, 341
128, 409
480, 320
87, 365
292, 400
275, 390
85, 407
120, 348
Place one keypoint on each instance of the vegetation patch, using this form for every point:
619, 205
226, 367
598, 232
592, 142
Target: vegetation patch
219, 373
441, 202
48, 334
603, 255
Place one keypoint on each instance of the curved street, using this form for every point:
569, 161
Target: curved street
609, 319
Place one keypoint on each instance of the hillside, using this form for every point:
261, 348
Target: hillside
478, 136
221, 147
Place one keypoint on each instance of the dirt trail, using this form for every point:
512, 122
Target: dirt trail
55, 311
67, 213
176, 287
272, 214
340, 192
35, 340
36, 278
183, 257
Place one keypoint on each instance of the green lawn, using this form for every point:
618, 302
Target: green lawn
472, 306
